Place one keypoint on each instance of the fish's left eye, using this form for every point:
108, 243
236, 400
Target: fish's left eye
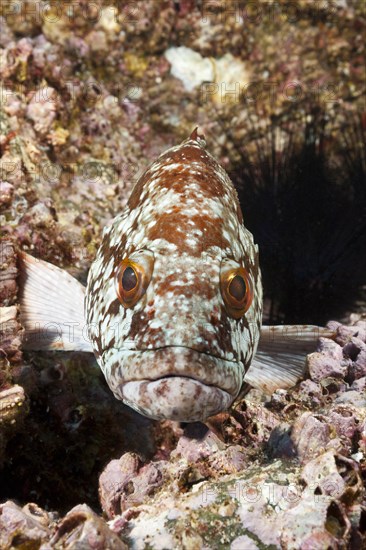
132, 279
237, 290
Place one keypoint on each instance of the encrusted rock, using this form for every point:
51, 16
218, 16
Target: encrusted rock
42, 108
8, 274
40, 215
10, 328
344, 333
126, 482
10, 336
23, 527
359, 385
83, 528
352, 397
356, 349
12, 406
310, 435
322, 477
345, 421
303, 528
197, 443
330, 349
323, 366
6, 193
312, 389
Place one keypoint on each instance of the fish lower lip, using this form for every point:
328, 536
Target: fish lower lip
175, 398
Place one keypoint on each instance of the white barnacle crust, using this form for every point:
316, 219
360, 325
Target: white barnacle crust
177, 353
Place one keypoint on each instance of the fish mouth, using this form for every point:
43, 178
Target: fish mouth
173, 382
181, 361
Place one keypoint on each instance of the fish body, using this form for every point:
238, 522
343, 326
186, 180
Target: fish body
179, 352
173, 304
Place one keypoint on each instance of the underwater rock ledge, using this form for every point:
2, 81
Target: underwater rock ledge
290, 473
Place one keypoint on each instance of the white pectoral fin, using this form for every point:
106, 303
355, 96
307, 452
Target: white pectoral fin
280, 358
51, 307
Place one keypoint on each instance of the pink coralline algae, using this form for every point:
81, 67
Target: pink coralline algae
42, 109
83, 528
328, 362
127, 482
28, 526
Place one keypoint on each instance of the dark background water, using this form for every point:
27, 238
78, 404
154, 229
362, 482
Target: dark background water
306, 207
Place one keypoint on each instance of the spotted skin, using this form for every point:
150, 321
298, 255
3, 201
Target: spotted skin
177, 353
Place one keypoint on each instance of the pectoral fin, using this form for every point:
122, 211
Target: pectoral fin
280, 358
51, 307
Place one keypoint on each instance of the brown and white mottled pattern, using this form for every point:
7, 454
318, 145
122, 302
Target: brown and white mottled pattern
177, 353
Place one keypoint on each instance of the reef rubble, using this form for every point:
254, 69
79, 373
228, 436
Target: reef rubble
301, 487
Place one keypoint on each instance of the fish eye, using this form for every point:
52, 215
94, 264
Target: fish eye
237, 290
129, 279
132, 278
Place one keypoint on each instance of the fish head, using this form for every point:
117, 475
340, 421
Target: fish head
174, 297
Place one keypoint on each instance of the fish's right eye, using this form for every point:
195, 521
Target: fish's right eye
129, 279
132, 279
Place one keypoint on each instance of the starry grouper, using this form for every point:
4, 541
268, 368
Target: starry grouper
173, 305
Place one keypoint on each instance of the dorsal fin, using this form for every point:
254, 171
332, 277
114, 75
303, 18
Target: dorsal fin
195, 135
